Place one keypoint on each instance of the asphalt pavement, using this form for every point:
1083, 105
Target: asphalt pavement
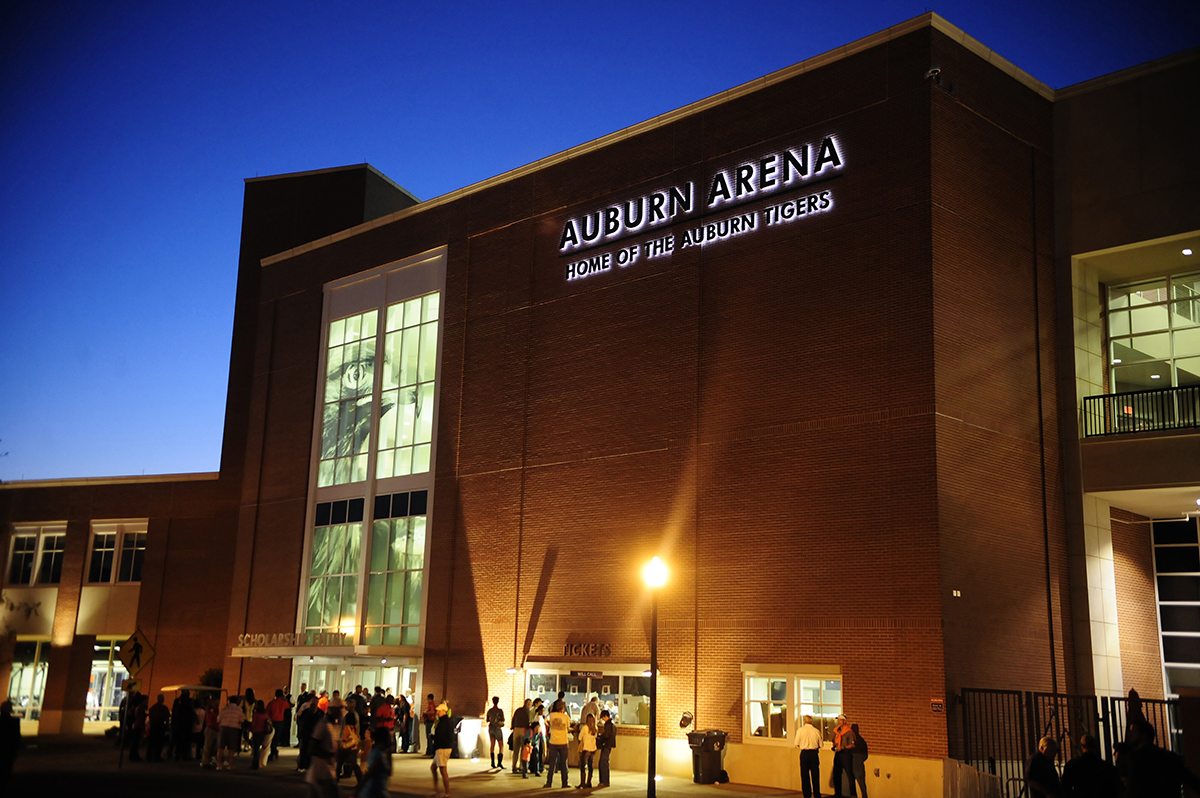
49, 767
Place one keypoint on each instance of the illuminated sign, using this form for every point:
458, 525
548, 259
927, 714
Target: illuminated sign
789, 170
296, 639
587, 650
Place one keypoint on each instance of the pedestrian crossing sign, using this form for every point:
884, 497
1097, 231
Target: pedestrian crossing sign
136, 652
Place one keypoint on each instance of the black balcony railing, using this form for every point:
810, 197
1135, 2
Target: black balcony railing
1142, 411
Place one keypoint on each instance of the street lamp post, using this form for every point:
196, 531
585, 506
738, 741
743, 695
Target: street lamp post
655, 575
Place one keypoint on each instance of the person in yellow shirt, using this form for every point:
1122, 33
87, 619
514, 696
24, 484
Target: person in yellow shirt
560, 738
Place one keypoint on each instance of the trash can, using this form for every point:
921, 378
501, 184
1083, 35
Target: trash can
707, 745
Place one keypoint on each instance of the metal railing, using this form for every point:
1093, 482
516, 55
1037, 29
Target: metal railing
1141, 411
1002, 728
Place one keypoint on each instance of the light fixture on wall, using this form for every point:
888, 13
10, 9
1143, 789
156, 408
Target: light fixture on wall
511, 671
1187, 250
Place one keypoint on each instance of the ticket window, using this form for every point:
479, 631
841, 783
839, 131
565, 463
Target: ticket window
625, 696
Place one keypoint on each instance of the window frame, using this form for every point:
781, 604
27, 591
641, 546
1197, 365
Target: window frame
122, 530
1165, 298
793, 675
41, 533
375, 290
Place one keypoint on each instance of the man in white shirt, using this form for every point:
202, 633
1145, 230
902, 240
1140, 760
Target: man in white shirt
808, 740
592, 707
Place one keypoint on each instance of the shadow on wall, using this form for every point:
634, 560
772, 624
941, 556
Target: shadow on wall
539, 599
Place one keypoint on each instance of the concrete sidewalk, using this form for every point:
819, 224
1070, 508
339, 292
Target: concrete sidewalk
87, 766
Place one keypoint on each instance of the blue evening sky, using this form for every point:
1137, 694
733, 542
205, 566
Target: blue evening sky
126, 129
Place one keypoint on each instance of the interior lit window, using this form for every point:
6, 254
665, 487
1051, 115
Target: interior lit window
1154, 333
625, 695
397, 563
409, 368
334, 568
349, 386
775, 704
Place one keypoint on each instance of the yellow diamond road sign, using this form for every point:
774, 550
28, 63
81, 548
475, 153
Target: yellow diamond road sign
136, 652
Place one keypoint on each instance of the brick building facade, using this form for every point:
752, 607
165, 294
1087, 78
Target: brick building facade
819, 342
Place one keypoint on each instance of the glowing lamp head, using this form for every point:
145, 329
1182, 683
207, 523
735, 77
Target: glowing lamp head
655, 573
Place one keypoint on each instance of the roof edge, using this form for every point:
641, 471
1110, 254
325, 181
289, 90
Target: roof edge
203, 476
1127, 74
926, 20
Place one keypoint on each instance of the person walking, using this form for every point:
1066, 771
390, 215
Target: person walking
429, 716
385, 717
260, 721
323, 747
159, 718
212, 733
352, 732
232, 718
808, 740
138, 727
560, 738
307, 718
587, 750
440, 740
183, 715
403, 724
843, 757
277, 711
379, 766
520, 723
606, 741
495, 724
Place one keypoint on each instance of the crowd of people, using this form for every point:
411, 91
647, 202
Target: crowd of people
1140, 768
539, 739
350, 737
356, 736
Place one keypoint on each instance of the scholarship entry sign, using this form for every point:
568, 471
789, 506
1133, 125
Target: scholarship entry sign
695, 214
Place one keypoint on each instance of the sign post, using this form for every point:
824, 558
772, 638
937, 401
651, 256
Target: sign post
135, 653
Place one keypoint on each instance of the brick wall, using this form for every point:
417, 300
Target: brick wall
815, 425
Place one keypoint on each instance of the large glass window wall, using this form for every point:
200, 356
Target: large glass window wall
1154, 333
374, 455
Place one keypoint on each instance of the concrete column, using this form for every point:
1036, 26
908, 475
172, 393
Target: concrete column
68, 674
69, 658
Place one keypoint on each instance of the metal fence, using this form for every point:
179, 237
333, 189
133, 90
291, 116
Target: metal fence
1002, 728
1142, 411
